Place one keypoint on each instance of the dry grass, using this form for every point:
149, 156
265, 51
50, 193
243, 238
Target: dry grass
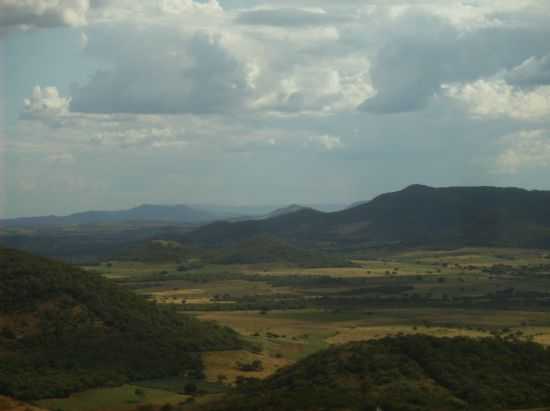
345, 335
9, 404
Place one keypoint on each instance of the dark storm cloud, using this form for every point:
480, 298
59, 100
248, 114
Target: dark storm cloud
427, 52
207, 80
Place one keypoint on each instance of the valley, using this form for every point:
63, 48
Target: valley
231, 315
289, 312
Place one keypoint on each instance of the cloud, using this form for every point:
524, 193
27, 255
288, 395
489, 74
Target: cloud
534, 71
496, 98
326, 142
153, 11
340, 84
420, 52
43, 13
287, 17
46, 104
141, 137
524, 150
196, 74
61, 158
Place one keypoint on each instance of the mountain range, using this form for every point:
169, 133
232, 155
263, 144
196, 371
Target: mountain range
142, 213
151, 213
415, 216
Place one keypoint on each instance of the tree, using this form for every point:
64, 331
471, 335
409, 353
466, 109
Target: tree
140, 393
190, 388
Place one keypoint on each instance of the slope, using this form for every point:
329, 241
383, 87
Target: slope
415, 216
412, 373
63, 330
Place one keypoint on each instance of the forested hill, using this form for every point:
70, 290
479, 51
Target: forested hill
416, 216
63, 329
409, 373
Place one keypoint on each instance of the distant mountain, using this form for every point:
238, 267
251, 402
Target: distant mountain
142, 213
408, 373
63, 329
418, 215
287, 210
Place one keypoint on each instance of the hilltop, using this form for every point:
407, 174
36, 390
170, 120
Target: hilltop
416, 216
287, 210
63, 329
409, 373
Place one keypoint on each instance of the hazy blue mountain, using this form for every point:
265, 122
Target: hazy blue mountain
142, 213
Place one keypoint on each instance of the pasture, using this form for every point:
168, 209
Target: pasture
123, 398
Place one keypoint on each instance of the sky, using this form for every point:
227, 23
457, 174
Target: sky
107, 104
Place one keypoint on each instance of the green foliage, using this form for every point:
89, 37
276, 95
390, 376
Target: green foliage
266, 249
84, 331
409, 373
257, 250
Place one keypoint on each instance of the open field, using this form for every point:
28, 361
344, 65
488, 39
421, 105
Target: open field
113, 399
130, 269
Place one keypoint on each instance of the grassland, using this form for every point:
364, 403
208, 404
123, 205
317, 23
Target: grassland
121, 398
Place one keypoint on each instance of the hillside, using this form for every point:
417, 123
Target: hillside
413, 373
287, 210
63, 329
265, 249
87, 243
415, 216
143, 213
257, 250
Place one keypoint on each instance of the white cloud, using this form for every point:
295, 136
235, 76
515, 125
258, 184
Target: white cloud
320, 87
496, 98
288, 17
148, 11
524, 150
43, 13
46, 103
326, 142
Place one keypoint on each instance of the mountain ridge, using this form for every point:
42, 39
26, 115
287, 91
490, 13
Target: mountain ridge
415, 216
177, 213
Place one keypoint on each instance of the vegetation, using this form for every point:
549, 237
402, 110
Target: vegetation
266, 249
413, 373
65, 329
257, 250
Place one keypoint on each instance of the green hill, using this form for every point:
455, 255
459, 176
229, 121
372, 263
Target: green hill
413, 373
415, 216
261, 249
266, 249
63, 329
